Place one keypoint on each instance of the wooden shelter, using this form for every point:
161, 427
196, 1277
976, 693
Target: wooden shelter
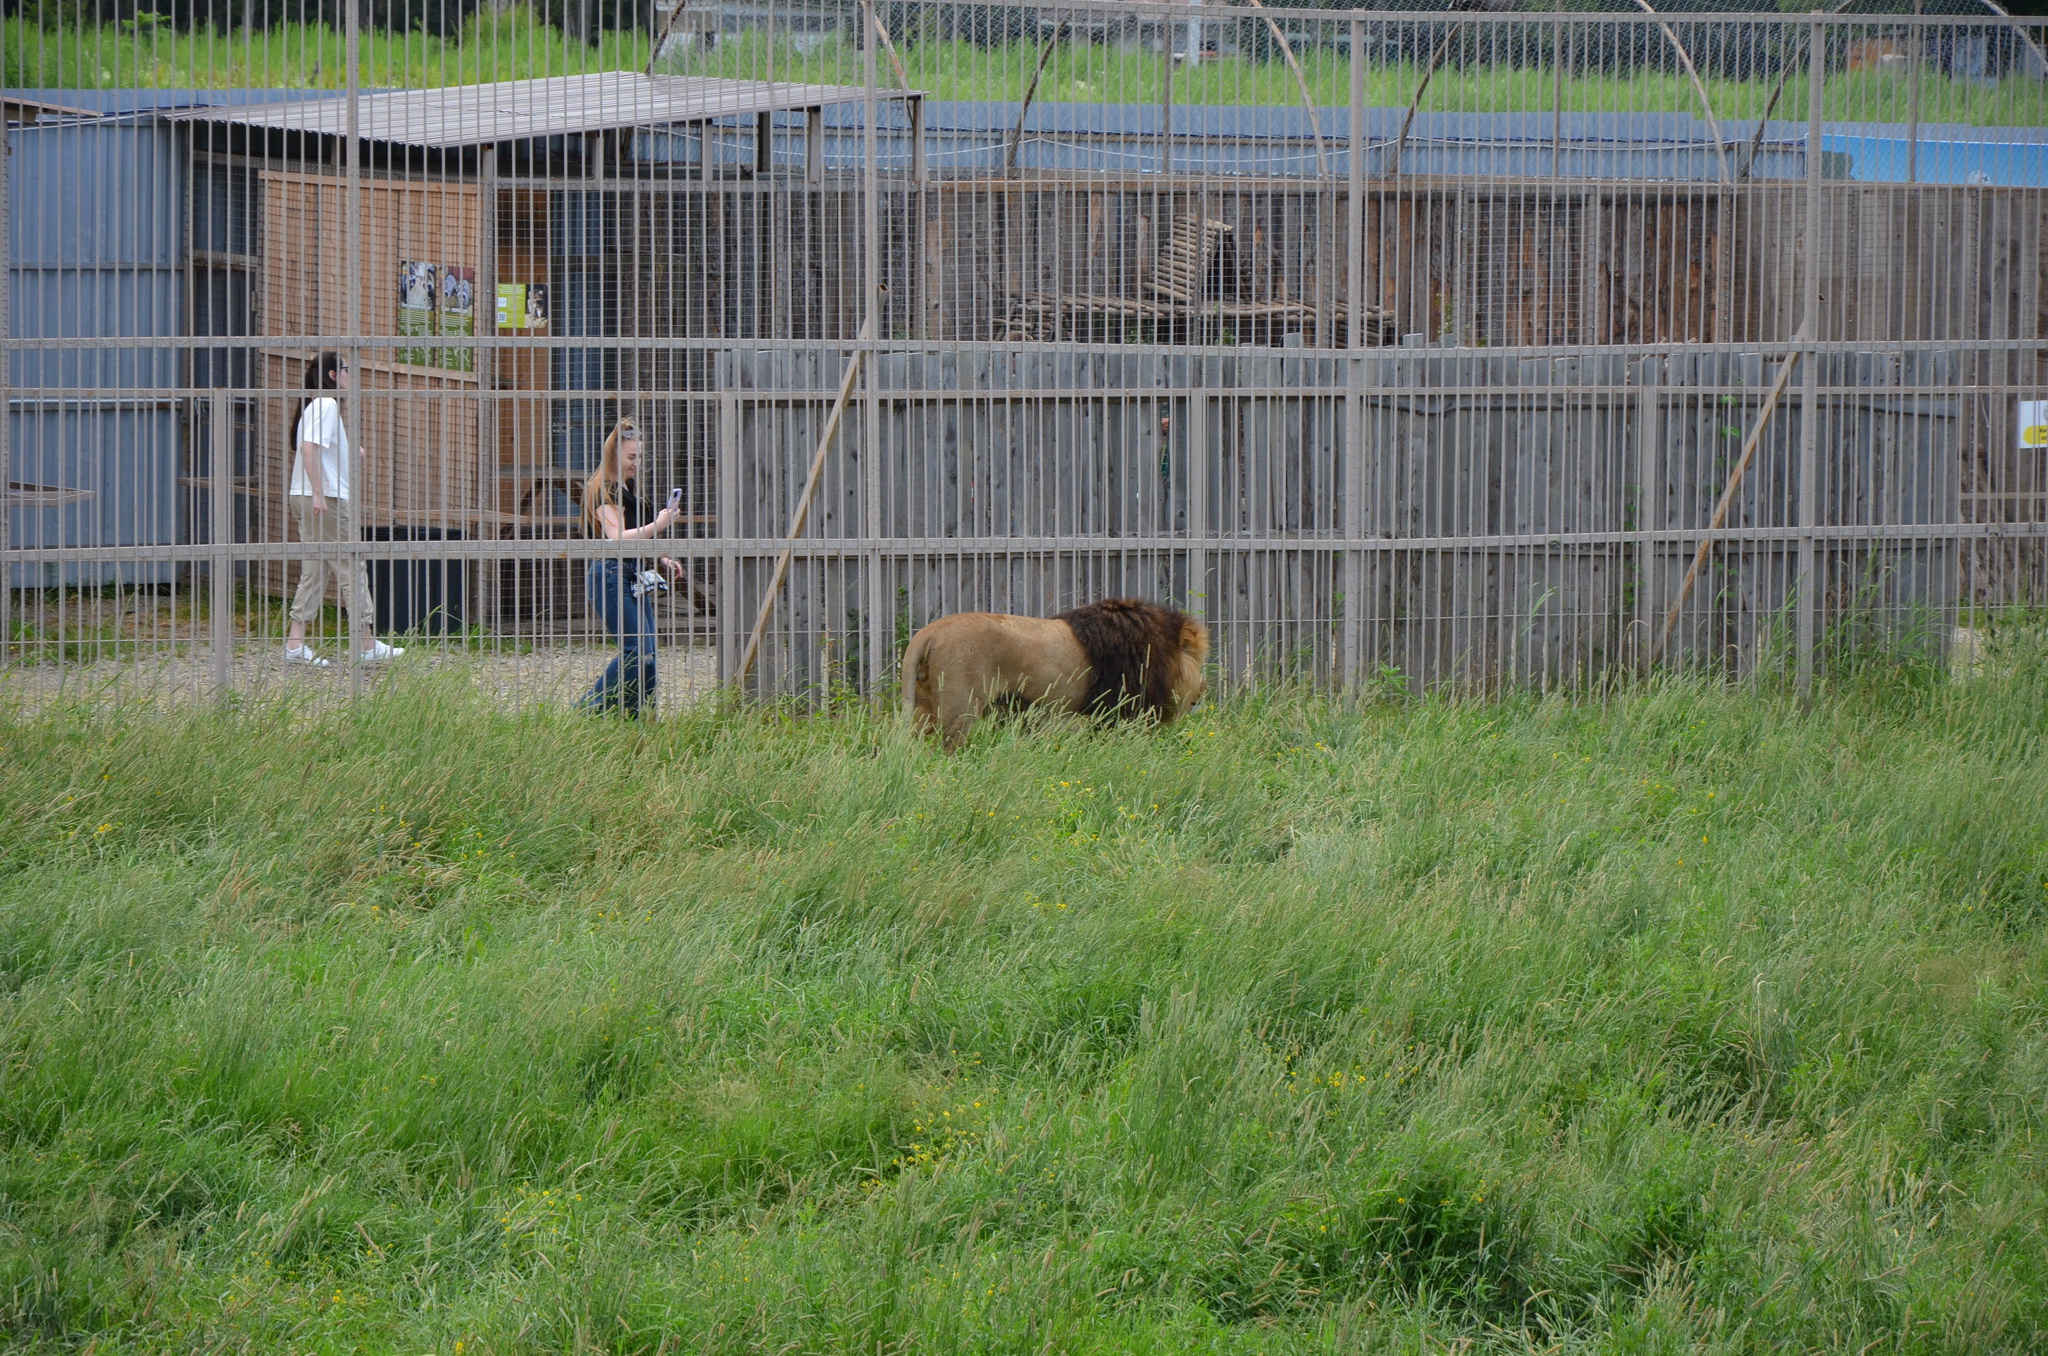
500, 206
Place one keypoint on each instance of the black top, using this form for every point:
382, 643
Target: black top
633, 512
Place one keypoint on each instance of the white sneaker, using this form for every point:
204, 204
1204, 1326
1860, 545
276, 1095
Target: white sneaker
302, 655
381, 653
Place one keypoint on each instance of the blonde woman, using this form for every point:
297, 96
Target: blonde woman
622, 589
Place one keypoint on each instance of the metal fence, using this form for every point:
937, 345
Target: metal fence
1488, 348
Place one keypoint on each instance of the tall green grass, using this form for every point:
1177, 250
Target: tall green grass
1690, 1021
515, 45
1085, 73
509, 46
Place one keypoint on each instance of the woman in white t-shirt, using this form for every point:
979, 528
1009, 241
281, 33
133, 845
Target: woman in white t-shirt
319, 499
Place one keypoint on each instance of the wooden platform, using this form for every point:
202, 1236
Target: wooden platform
1045, 317
21, 494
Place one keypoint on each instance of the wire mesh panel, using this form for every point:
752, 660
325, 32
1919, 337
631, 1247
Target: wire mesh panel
1485, 348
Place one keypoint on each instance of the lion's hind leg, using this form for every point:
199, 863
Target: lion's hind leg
959, 707
990, 696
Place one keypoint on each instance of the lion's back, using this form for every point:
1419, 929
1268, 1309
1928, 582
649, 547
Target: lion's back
992, 654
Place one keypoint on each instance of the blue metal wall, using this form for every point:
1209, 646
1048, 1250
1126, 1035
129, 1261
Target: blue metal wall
96, 248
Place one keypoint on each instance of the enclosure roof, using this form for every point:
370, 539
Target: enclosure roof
518, 110
31, 110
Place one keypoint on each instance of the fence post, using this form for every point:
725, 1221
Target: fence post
481, 580
1198, 494
1354, 402
1808, 585
1166, 98
354, 627
725, 471
6, 384
919, 169
220, 490
1649, 398
1556, 88
1913, 99
875, 602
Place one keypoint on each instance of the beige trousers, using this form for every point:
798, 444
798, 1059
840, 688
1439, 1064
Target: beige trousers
337, 524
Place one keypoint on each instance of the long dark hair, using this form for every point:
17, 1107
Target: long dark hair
322, 374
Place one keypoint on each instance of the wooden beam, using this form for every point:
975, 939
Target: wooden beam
803, 506
1706, 547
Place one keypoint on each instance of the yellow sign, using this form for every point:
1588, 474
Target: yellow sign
522, 306
2033, 423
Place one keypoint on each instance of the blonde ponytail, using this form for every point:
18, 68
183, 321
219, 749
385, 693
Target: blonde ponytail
603, 487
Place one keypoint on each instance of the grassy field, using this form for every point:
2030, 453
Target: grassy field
516, 46
1689, 1021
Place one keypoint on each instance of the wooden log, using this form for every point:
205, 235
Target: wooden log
1706, 547
803, 509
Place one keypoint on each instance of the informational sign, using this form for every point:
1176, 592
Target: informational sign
437, 299
458, 314
522, 306
417, 289
2034, 423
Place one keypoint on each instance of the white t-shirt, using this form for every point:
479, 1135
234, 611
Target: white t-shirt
321, 425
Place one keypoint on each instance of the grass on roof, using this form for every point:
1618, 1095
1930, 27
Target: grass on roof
515, 46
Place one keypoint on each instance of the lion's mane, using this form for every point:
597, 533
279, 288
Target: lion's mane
1132, 646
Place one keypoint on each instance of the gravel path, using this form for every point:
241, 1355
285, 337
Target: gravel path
547, 676
516, 678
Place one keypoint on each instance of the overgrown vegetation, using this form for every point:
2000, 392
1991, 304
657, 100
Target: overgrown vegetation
1690, 1021
131, 55
515, 45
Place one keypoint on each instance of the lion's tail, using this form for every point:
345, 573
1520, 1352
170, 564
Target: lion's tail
917, 678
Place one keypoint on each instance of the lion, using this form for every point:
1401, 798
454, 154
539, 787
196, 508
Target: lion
1116, 658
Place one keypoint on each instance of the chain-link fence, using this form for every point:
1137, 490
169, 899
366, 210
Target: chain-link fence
1489, 347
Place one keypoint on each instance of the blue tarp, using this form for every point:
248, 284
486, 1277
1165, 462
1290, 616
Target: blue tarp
1948, 153
965, 135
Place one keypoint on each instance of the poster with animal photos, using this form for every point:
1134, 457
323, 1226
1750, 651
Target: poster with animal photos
437, 300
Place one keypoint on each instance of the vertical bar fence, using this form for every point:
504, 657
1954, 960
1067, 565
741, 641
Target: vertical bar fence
1411, 349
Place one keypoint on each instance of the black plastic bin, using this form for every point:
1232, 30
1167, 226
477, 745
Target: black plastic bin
426, 597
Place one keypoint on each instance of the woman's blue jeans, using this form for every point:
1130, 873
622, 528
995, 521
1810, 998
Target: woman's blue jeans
628, 681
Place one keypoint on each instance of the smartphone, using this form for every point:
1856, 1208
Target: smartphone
675, 498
